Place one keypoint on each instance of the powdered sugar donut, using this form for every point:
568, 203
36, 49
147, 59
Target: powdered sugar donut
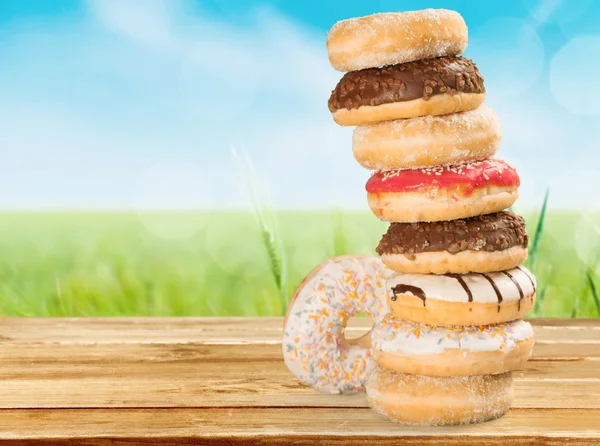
462, 299
428, 141
456, 350
314, 346
391, 38
436, 401
443, 193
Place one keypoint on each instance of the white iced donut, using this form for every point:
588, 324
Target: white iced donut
462, 299
456, 350
314, 346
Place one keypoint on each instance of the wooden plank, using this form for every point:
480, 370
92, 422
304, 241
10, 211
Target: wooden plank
129, 360
244, 392
171, 375
296, 425
220, 330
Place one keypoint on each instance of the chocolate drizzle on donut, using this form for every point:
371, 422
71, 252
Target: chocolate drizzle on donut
463, 284
470, 284
521, 295
528, 276
495, 287
420, 79
402, 288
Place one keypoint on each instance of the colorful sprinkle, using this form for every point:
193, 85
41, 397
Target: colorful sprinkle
334, 292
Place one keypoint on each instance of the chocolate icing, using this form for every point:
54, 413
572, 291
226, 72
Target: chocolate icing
406, 82
528, 276
463, 284
403, 289
520, 290
521, 295
489, 233
495, 287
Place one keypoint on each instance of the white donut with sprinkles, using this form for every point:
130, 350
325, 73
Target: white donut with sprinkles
421, 349
314, 346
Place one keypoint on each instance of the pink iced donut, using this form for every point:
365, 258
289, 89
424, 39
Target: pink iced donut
314, 346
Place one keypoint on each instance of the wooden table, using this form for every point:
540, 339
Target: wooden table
215, 381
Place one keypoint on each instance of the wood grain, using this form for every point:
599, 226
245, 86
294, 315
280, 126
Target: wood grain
209, 380
218, 330
298, 426
220, 375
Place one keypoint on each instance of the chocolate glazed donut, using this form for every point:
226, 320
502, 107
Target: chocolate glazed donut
420, 79
424, 87
492, 242
492, 232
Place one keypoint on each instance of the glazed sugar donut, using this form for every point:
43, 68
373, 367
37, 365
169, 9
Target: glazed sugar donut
436, 401
428, 141
492, 242
430, 350
442, 193
462, 299
314, 346
391, 38
424, 87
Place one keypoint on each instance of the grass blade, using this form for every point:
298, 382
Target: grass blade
267, 223
593, 290
538, 232
575, 308
538, 308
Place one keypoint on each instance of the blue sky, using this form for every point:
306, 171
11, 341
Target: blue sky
138, 103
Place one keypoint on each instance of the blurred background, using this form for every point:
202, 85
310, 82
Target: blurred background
177, 157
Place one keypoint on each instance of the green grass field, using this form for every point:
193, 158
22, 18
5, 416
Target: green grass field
112, 264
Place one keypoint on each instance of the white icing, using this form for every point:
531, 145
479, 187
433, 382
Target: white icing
314, 347
400, 337
440, 287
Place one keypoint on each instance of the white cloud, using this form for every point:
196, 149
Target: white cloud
179, 88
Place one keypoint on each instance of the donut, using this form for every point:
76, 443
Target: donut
442, 193
392, 38
428, 141
462, 299
421, 349
314, 346
424, 87
492, 242
435, 401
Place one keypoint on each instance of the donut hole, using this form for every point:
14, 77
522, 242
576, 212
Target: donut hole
358, 329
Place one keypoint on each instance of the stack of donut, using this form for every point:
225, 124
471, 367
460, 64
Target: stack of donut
454, 334
449, 290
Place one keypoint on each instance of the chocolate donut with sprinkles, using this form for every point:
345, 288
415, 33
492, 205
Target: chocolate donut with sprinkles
462, 299
443, 193
492, 242
314, 346
424, 87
